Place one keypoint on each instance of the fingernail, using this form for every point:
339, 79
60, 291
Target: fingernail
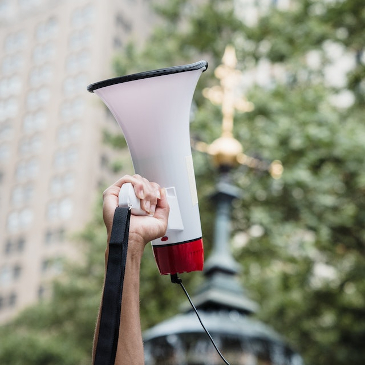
158, 194
147, 206
153, 209
141, 194
163, 192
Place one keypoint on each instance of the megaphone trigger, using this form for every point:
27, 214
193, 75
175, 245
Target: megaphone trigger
128, 199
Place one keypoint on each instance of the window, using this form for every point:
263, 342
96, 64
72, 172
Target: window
41, 75
19, 220
60, 209
48, 237
62, 184
17, 195
27, 170
72, 109
41, 291
68, 182
117, 43
37, 98
20, 244
16, 272
73, 85
56, 185
22, 194
71, 155
15, 41
12, 300
47, 29
52, 265
43, 53
78, 62
104, 160
6, 131
45, 265
4, 152
32, 145
61, 234
59, 160
8, 247
9, 301
65, 208
28, 4
34, 122
12, 64
10, 86
9, 273
54, 236
82, 16
124, 23
14, 245
68, 133
80, 39
8, 108
62, 135
5, 10
52, 211
5, 275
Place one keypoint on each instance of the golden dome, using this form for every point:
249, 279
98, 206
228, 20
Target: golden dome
225, 151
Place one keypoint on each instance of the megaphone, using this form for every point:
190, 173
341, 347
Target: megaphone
153, 110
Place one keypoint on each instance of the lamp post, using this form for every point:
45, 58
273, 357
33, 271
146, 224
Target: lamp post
224, 306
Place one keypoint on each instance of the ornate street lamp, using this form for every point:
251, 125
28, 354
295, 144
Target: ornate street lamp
223, 304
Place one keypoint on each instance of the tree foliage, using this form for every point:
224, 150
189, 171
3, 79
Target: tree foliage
300, 239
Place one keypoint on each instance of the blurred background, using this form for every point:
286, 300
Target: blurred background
299, 239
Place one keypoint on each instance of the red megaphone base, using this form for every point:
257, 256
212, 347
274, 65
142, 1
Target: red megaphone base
179, 257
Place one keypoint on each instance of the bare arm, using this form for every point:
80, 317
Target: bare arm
142, 230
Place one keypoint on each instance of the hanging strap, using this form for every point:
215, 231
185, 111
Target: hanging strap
106, 347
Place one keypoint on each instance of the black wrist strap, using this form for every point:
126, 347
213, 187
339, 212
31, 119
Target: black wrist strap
106, 347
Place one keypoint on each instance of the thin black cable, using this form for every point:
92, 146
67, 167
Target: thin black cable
176, 280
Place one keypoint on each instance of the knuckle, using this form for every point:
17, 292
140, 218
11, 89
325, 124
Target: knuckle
139, 184
155, 186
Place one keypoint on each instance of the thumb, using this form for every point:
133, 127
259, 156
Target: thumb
162, 207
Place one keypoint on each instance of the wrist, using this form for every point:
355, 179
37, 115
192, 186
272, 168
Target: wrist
136, 245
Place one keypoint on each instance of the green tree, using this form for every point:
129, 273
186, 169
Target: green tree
304, 259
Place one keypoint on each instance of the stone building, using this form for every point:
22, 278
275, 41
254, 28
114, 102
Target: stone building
52, 159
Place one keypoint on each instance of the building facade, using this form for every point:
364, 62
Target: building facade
52, 159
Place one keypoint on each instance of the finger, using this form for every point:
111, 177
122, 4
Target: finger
147, 192
139, 186
150, 191
162, 207
157, 189
135, 180
149, 197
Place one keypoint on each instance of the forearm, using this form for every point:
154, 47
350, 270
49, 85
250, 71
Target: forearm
130, 346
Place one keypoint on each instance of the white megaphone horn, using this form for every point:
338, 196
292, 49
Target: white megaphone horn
153, 110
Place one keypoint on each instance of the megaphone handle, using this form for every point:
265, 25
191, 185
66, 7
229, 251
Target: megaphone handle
128, 199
